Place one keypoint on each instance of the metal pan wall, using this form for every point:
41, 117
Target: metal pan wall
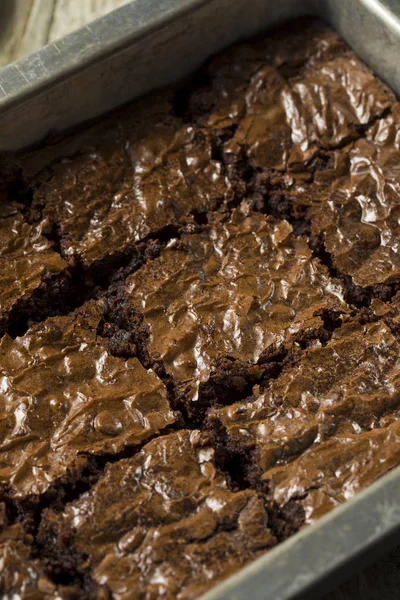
141, 46
147, 44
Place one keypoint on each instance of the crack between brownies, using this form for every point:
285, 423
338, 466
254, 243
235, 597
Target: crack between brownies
360, 130
356, 296
271, 201
29, 512
220, 390
61, 294
235, 465
79, 283
239, 477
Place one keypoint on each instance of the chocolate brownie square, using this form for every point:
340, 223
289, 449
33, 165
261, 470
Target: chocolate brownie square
145, 172
65, 399
163, 523
32, 273
328, 426
239, 287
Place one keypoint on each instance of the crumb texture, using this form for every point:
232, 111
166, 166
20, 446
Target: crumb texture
199, 321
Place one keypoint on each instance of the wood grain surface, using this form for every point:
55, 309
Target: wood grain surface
30, 24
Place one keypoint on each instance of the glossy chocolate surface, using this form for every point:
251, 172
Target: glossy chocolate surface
64, 397
165, 522
200, 320
235, 289
328, 425
360, 220
287, 100
148, 172
27, 261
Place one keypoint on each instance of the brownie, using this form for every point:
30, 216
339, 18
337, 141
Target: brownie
360, 222
31, 271
328, 425
64, 398
20, 576
147, 169
237, 288
348, 463
285, 101
162, 524
200, 323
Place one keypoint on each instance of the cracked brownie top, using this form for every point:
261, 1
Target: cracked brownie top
358, 215
148, 170
28, 265
316, 433
283, 104
235, 289
199, 321
163, 523
64, 398
21, 576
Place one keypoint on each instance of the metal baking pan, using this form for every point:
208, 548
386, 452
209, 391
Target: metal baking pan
147, 44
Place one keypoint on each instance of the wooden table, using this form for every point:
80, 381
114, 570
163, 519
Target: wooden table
37, 22
34, 23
